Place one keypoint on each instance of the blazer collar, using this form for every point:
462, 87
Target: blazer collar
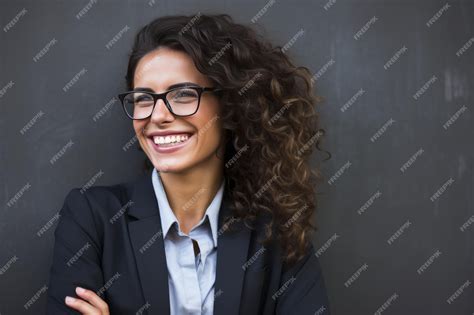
146, 236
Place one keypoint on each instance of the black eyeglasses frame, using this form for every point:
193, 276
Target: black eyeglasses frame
162, 96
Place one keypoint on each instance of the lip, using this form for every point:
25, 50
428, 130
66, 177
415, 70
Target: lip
161, 149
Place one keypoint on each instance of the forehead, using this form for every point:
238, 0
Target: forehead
163, 67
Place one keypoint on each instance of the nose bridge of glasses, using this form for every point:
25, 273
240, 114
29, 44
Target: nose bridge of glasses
160, 105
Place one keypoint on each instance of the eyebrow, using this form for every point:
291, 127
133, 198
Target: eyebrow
177, 85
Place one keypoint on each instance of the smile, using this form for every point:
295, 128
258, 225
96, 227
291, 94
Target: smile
170, 143
173, 139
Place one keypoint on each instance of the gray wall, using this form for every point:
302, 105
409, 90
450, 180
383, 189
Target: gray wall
384, 236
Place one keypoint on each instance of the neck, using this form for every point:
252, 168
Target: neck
190, 192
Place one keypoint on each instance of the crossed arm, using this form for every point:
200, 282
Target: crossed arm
76, 262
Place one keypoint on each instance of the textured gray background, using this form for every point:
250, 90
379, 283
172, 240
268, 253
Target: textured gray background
368, 198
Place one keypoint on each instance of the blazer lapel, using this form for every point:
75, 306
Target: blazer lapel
148, 245
232, 250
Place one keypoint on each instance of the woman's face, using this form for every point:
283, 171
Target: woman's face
159, 70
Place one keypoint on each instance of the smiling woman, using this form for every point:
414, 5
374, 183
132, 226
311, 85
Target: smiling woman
222, 222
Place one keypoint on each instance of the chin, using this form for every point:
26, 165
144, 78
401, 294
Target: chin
164, 167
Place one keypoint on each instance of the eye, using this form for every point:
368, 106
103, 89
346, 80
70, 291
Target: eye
142, 98
183, 96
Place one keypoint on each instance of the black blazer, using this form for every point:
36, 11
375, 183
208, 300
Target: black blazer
108, 239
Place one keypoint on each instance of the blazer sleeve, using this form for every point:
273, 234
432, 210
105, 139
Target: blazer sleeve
76, 255
302, 288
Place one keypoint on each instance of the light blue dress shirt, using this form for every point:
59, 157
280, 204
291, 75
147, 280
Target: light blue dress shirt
190, 278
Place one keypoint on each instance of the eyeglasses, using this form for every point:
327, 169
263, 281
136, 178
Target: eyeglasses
181, 101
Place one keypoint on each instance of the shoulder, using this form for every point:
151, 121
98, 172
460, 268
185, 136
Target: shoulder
87, 214
95, 200
98, 204
302, 286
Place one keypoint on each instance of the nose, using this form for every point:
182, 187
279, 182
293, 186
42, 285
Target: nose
161, 113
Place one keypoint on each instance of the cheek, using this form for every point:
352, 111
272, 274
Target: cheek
210, 131
138, 127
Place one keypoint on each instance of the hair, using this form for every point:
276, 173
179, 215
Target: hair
269, 119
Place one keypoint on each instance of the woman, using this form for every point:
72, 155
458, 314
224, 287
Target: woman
222, 224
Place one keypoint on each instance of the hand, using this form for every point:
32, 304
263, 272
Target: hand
96, 305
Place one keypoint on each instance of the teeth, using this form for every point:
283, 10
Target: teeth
170, 139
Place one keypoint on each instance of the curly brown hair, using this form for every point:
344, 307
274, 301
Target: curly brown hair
269, 118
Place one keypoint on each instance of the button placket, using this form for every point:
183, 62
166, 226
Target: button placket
186, 260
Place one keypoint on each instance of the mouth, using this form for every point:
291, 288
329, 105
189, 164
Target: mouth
171, 143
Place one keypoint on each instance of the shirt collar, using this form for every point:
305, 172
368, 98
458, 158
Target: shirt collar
167, 215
